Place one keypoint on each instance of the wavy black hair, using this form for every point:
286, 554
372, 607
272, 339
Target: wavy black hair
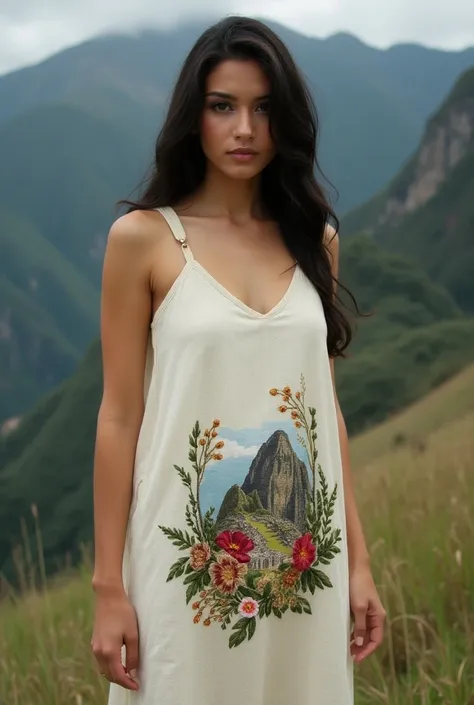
290, 193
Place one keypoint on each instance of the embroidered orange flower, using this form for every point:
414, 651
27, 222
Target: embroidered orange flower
202, 442
227, 574
287, 390
200, 555
294, 414
197, 618
216, 423
218, 456
304, 552
289, 578
297, 424
273, 392
298, 395
282, 408
236, 544
279, 600
286, 398
207, 622
214, 434
220, 444
196, 605
206, 433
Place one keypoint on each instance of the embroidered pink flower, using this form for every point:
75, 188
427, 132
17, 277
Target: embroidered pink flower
236, 544
304, 552
248, 607
227, 574
200, 554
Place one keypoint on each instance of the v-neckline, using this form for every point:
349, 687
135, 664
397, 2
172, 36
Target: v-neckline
238, 302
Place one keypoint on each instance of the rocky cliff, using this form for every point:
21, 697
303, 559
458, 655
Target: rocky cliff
280, 480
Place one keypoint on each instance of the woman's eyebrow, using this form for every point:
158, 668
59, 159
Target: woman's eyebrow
229, 96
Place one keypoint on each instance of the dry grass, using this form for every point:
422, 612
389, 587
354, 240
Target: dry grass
417, 505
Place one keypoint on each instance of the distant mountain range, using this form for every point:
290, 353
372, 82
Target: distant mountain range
77, 133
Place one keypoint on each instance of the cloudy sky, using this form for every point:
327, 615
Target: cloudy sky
31, 30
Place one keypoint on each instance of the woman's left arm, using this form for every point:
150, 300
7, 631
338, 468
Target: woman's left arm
366, 607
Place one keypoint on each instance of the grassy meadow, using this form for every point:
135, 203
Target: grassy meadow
414, 481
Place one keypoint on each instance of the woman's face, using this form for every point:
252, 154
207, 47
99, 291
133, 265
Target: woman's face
235, 117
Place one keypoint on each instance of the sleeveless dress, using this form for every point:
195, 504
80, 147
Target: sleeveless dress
236, 551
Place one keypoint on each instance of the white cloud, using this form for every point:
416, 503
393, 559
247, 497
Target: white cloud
30, 30
232, 449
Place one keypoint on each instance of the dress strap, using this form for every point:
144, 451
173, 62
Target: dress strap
176, 227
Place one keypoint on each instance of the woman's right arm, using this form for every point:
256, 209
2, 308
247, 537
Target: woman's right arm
125, 320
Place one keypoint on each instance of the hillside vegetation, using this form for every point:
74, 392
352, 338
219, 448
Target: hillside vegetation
427, 211
417, 509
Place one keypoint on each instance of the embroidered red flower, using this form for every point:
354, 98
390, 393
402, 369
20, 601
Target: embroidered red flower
236, 544
304, 552
227, 574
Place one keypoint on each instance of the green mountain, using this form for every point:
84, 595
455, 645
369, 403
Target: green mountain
78, 166
373, 103
84, 121
54, 220
48, 314
427, 210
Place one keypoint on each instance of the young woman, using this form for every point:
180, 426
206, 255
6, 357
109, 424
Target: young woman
229, 551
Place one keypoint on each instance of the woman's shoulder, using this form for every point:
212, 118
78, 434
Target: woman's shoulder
138, 231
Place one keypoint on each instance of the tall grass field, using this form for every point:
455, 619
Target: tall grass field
414, 479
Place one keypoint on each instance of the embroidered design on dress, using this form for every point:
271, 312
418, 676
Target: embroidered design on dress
272, 536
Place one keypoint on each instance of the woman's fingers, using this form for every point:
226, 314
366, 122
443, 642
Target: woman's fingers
131, 654
120, 676
111, 667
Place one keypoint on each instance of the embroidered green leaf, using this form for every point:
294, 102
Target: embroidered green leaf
322, 577
179, 538
237, 638
277, 612
311, 580
251, 627
178, 568
249, 592
304, 581
209, 526
241, 623
301, 606
193, 588
196, 577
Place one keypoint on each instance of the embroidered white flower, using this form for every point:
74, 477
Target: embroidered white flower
248, 607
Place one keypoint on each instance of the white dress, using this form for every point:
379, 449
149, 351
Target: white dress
236, 554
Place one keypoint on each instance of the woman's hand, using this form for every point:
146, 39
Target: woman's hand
368, 614
116, 624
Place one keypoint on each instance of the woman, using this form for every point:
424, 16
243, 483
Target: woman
222, 481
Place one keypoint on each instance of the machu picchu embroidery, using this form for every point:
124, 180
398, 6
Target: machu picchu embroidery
268, 543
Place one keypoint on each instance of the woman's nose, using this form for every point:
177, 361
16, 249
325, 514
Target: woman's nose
244, 124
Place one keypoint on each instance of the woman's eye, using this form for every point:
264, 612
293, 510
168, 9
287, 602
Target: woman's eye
264, 107
220, 107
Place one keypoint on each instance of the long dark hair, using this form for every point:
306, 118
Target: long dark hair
290, 192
